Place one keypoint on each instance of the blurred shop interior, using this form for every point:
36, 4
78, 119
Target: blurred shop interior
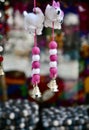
67, 109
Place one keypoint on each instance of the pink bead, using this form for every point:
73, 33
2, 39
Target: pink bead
35, 64
52, 45
35, 50
53, 72
53, 58
35, 79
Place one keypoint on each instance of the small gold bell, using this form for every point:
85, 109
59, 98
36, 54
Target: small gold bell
53, 86
36, 92
1, 71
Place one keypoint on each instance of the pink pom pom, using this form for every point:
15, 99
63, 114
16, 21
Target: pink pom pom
35, 79
53, 58
35, 64
52, 45
35, 50
53, 72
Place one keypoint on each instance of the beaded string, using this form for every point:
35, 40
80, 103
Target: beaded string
35, 64
53, 62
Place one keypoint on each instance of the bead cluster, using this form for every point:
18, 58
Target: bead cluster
55, 22
35, 65
36, 70
63, 118
18, 115
53, 66
53, 59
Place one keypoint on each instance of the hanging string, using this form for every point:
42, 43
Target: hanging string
34, 3
52, 26
53, 62
53, 31
35, 37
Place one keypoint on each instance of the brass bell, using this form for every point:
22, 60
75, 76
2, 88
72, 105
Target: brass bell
1, 71
36, 92
53, 85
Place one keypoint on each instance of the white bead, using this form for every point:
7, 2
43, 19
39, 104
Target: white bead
25, 112
53, 64
35, 71
22, 125
12, 115
1, 48
35, 58
12, 127
53, 51
25, 13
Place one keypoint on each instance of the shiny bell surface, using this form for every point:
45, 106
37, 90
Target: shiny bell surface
36, 92
53, 85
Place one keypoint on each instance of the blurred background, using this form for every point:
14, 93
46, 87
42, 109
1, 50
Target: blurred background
73, 58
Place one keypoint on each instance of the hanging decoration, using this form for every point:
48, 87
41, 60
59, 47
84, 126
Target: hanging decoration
34, 21
53, 14
36, 71
53, 19
34, 25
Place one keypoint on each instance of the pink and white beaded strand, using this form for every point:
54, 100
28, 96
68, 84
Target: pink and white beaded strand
35, 66
53, 63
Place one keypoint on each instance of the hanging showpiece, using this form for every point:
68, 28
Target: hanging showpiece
36, 71
34, 25
53, 15
53, 19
